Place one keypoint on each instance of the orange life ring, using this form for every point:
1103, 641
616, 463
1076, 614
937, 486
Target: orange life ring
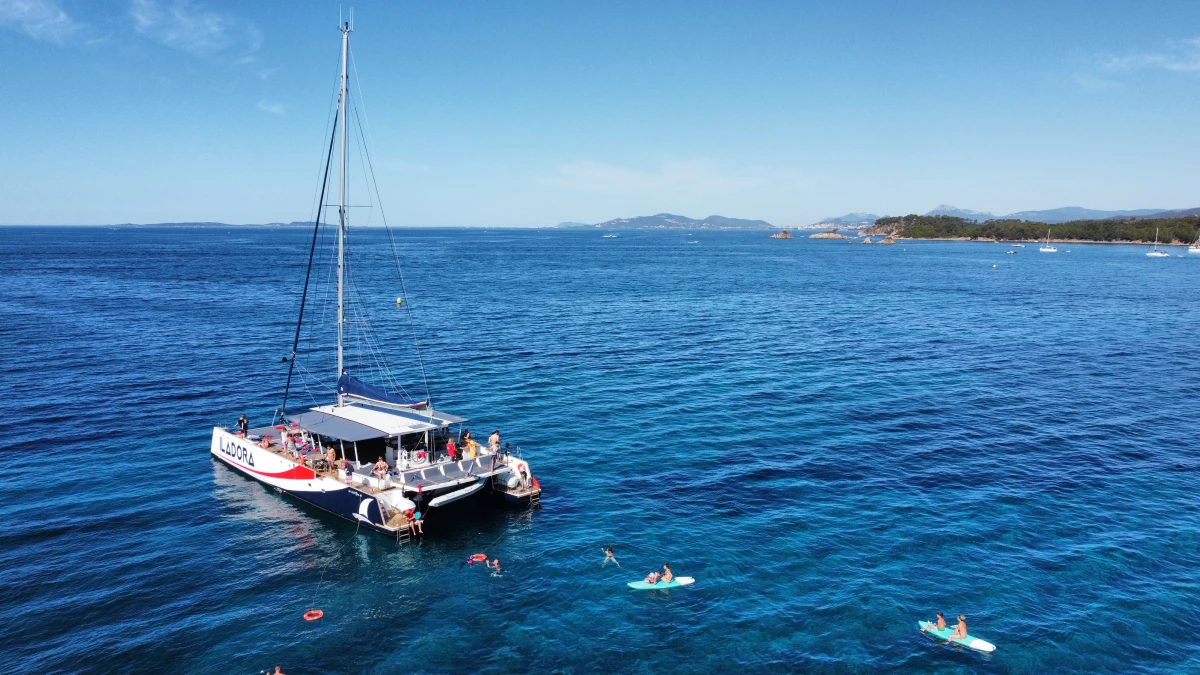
313, 615
479, 557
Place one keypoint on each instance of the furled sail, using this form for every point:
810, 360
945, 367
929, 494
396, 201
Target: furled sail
348, 386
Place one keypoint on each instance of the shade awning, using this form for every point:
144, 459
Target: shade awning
335, 427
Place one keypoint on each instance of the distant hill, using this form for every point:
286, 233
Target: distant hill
670, 221
849, 220
1177, 213
968, 214
1069, 213
569, 223
1141, 230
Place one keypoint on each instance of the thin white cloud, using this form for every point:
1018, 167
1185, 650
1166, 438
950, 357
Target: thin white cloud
1179, 56
696, 176
185, 26
273, 108
39, 19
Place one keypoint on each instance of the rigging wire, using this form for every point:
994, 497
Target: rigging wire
307, 276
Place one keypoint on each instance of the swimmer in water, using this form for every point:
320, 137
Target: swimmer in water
493, 564
608, 555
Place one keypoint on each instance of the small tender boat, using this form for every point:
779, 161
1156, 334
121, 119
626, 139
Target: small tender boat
1011, 252
1157, 253
1018, 245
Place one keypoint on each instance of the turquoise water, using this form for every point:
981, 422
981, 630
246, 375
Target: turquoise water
835, 440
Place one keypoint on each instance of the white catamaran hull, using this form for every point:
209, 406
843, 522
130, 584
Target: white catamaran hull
329, 494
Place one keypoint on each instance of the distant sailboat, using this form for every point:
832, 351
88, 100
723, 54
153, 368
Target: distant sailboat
1195, 247
1047, 248
1157, 253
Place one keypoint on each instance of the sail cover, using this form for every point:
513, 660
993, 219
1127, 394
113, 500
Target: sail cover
348, 386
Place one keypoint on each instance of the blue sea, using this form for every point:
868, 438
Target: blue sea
836, 441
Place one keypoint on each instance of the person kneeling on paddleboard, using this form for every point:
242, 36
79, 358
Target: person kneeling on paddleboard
653, 577
939, 624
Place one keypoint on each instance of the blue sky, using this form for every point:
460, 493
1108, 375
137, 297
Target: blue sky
524, 114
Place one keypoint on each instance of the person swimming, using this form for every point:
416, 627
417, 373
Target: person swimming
667, 575
608, 555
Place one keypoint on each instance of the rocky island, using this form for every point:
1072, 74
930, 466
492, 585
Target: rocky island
831, 234
782, 234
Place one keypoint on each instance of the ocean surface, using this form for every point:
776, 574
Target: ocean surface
836, 441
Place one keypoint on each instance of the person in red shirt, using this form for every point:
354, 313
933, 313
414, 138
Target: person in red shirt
450, 449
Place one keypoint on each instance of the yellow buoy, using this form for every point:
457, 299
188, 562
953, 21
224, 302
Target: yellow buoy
993, 267
399, 301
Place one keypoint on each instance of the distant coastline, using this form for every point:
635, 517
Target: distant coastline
1177, 230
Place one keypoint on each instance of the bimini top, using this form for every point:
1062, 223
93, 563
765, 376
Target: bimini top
351, 388
356, 422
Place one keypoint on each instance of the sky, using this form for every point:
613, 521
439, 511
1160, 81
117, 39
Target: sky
519, 114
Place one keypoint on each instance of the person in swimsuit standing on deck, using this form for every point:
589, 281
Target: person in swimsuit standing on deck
243, 425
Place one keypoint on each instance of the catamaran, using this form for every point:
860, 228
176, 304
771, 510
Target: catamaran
1157, 253
1047, 248
329, 455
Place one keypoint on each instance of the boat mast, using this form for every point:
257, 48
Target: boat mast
341, 317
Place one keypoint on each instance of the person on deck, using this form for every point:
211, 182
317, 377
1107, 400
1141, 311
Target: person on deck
470, 447
667, 576
450, 449
330, 456
414, 522
286, 441
380, 469
243, 425
494, 442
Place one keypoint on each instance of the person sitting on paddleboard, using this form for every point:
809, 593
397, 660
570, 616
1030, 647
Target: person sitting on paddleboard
667, 576
960, 631
939, 624
608, 555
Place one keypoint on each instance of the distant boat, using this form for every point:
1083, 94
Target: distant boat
1195, 247
609, 236
1018, 245
1157, 253
1047, 248
693, 242
1011, 252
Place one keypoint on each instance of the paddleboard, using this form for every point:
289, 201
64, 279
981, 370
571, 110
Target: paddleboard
675, 583
945, 633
